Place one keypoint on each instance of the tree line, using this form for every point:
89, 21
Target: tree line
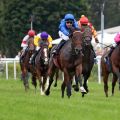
15, 18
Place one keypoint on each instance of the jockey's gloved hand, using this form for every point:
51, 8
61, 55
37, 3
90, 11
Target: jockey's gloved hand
96, 40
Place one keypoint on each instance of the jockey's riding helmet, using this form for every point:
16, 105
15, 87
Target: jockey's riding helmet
69, 17
84, 20
31, 33
44, 35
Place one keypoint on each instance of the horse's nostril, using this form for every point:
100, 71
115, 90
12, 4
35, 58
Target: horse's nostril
77, 50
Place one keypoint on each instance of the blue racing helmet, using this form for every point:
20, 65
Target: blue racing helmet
69, 17
44, 35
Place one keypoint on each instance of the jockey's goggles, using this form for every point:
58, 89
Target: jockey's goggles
69, 22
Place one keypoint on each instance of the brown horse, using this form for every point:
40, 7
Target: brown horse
113, 65
88, 56
69, 61
24, 62
41, 67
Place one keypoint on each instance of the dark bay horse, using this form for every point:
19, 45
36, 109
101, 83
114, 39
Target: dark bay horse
24, 62
88, 58
41, 67
114, 68
88, 55
69, 61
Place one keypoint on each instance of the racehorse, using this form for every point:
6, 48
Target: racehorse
88, 56
24, 62
69, 61
41, 67
112, 67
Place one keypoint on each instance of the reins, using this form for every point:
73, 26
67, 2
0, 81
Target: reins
106, 46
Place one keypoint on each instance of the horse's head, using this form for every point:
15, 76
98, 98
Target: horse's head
87, 35
44, 52
31, 45
76, 38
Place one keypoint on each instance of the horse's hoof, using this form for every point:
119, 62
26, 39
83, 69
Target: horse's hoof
112, 95
69, 97
87, 90
83, 90
73, 86
62, 96
76, 89
47, 93
106, 96
83, 94
55, 85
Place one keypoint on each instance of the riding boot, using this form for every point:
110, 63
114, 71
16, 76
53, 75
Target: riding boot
109, 54
59, 46
111, 50
93, 51
23, 54
95, 60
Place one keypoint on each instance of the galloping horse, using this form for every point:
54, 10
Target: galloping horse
41, 67
24, 62
114, 62
69, 61
88, 56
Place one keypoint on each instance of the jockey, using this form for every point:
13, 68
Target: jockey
117, 42
31, 33
64, 30
83, 21
43, 36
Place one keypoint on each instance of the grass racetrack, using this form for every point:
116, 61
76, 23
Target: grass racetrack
16, 104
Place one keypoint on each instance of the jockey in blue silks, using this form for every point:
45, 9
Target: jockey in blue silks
64, 30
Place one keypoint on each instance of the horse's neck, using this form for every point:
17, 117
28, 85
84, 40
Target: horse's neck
87, 50
68, 52
67, 48
117, 49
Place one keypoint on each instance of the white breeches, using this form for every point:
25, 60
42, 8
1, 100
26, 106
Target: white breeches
63, 36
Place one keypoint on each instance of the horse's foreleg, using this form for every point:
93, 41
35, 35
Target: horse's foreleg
67, 83
78, 78
76, 87
41, 85
44, 82
25, 79
34, 81
114, 83
51, 72
86, 76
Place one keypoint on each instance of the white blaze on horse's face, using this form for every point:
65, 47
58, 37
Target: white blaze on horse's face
46, 55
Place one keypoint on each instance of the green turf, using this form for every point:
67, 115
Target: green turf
16, 104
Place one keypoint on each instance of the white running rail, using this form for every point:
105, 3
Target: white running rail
14, 60
9, 60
